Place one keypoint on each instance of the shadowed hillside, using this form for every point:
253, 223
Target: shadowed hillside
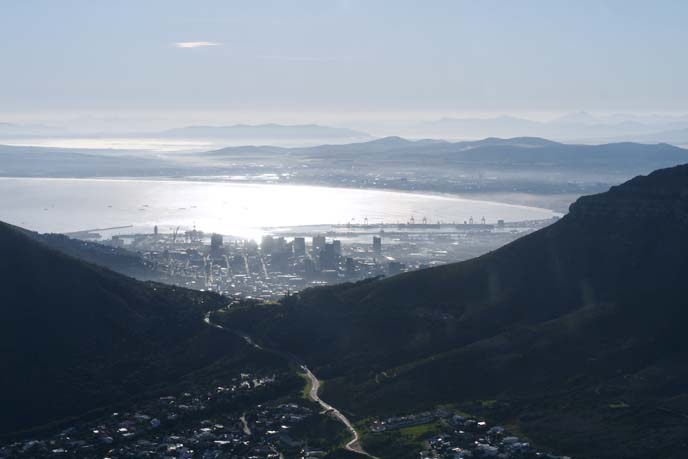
560, 327
116, 259
75, 337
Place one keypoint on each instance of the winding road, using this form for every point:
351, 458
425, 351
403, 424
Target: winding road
354, 445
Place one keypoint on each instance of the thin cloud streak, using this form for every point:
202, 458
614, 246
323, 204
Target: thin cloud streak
303, 58
194, 44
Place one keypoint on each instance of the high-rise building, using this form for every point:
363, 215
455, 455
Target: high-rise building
350, 269
251, 247
327, 257
377, 246
337, 244
279, 262
238, 264
216, 244
279, 245
299, 246
266, 244
318, 243
309, 268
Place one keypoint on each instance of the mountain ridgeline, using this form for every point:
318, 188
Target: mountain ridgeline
492, 150
575, 332
531, 165
117, 259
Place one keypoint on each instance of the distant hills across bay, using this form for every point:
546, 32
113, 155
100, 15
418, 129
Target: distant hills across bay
578, 127
554, 172
526, 170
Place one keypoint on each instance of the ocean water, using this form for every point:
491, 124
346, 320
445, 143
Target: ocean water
237, 209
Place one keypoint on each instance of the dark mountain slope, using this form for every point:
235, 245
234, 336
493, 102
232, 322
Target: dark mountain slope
116, 259
589, 257
561, 324
74, 337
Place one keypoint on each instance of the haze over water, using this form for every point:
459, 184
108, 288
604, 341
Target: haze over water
237, 209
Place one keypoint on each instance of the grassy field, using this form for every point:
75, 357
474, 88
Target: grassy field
401, 443
307, 387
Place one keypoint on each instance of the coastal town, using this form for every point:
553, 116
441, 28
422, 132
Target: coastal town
290, 259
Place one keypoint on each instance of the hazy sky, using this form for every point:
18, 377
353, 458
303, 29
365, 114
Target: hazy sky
343, 56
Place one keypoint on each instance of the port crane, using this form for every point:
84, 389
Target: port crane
174, 235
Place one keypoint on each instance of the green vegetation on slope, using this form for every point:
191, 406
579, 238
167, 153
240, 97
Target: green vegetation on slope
404, 443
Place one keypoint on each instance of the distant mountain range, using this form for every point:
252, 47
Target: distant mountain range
527, 165
576, 127
267, 132
490, 152
575, 333
28, 130
675, 136
507, 150
579, 127
261, 133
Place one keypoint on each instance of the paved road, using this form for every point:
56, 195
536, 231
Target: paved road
354, 445
244, 424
